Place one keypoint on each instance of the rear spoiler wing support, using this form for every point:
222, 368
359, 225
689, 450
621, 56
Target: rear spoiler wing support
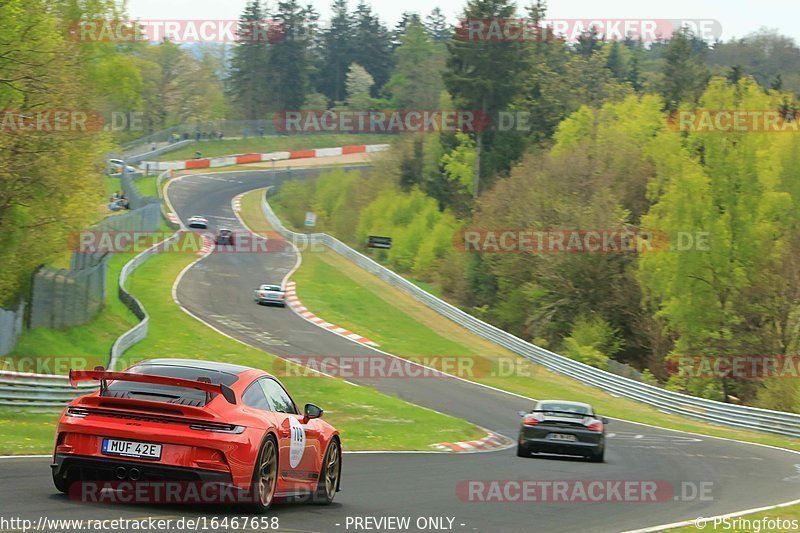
202, 384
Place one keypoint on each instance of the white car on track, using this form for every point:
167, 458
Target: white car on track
270, 294
198, 222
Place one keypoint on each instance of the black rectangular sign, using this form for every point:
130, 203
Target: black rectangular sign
379, 242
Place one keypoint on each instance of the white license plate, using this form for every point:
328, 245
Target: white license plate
562, 436
128, 448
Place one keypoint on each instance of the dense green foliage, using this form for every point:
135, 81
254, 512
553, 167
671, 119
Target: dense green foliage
50, 181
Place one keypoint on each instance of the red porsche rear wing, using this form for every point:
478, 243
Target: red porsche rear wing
101, 375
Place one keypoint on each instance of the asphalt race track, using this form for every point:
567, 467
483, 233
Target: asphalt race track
219, 289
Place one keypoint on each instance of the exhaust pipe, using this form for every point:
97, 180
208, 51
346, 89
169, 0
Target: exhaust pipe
120, 472
134, 474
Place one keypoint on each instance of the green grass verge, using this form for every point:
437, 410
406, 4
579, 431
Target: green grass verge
147, 185
27, 431
271, 144
348, 296
112, 185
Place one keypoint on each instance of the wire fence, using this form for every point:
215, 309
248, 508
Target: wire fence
11, 323
63, 298
202, 131
135, 197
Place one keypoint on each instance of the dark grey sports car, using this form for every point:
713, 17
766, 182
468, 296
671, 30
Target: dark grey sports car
564, 428
224, 236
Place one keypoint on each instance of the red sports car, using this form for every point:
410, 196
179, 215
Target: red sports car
197, 422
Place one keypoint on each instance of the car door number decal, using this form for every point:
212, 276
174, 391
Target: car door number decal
297, 444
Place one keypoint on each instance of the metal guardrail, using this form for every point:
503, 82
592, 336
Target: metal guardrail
139, 331
38, 390
737, 416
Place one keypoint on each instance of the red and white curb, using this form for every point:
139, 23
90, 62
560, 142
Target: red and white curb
208, 245
490, 442
297, 306
237, 203
173, 218
243, 159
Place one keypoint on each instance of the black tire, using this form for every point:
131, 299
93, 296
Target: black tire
598, 457
330, 474
266, 468
522, 451
62, 484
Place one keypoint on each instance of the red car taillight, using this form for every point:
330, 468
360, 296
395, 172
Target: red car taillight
218, 428
530, 421
595, 426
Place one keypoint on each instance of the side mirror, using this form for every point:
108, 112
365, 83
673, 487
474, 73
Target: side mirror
311, 412
522, 413
604, 420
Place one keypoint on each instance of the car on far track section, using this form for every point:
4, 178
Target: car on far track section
198, 222
224, 236
270, 294
563, 428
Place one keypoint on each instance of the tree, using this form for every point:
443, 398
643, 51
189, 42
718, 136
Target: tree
416, 81
372, 46
733, 298
765, 55
459, 164
436, 26
484, 75
684, 75
288, 64
359, 83
249, 62
406, 18
337, 53
615, 62
49, 180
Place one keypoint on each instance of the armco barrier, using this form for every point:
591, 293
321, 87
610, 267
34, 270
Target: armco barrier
737, 416
38, 390
139, 331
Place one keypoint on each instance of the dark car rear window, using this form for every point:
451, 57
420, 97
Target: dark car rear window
168, 393
270, 288
564, 410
